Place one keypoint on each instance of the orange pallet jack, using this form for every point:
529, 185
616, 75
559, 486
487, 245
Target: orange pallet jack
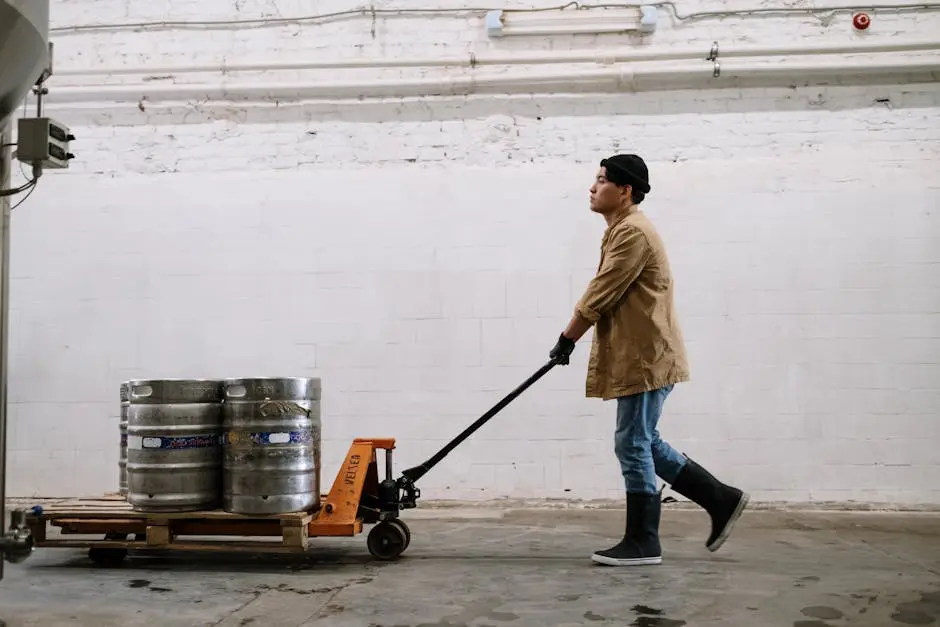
357, 498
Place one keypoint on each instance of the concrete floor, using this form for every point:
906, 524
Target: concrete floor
514, 568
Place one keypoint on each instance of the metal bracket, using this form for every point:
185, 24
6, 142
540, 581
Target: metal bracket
494, 23
649, 16
713, 57
47, 71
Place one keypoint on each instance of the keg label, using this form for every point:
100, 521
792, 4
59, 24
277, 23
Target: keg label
304, 436
137, 442
282, 408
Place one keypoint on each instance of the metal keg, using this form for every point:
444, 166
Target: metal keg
122, 428
271, 445
174, 447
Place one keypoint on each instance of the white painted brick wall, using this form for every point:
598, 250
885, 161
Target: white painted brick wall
422, 256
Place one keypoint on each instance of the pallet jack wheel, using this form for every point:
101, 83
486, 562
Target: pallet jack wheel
398, 522
387, 541
106, 556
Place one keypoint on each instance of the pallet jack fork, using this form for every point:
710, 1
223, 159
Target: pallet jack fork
356, 498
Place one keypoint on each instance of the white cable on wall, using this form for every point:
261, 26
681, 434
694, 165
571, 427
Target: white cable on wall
427, 12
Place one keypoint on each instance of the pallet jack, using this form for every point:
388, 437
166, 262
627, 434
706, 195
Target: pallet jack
390, 537
356, 498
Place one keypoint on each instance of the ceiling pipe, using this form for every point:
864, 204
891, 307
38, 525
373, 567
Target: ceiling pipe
530, 58
619, 78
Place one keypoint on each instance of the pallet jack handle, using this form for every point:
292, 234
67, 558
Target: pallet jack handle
409, 476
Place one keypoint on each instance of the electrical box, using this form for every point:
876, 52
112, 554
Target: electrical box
43, 140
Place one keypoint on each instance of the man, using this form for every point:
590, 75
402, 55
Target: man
637, 356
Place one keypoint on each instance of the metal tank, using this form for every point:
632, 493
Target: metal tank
271, 445
174, 452
24, 55
24, 50
122, 430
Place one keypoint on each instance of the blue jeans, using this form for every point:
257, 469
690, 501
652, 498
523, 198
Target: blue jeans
642, 454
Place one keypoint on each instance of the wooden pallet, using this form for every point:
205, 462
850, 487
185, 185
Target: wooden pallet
116, 527
112, 518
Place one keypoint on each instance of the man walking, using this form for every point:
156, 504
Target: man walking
637, 356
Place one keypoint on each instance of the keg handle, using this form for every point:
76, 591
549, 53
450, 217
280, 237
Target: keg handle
237, 391
141, 391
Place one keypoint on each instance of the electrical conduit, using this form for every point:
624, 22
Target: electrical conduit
529, 58
634, 77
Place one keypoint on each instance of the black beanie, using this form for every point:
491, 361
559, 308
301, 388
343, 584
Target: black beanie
627, 170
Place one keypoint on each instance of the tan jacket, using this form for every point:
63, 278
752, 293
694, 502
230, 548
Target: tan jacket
637, 344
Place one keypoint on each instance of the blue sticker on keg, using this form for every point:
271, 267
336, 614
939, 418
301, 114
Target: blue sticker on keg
172, 442
264, 438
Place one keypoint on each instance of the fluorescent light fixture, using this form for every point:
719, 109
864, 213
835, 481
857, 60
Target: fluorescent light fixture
590, 22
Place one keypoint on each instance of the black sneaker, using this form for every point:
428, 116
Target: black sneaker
723, 503
640, 545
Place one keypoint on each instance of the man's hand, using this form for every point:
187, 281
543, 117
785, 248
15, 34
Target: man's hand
562, 350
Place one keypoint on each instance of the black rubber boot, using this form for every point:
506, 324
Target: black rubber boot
640, 544
723, 503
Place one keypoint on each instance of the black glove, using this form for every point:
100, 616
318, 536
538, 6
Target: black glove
562, 350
